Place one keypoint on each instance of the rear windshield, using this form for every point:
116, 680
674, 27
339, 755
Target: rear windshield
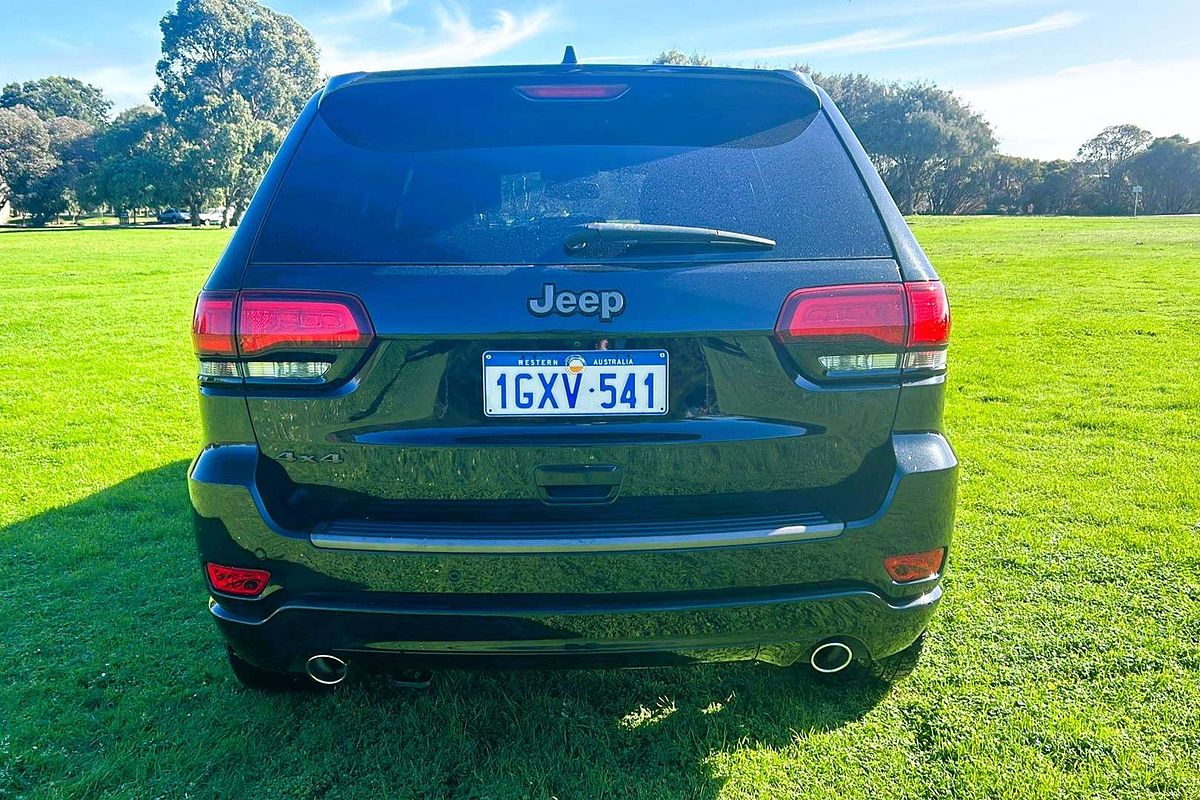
483, 171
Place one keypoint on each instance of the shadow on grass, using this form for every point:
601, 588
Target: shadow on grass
117, 647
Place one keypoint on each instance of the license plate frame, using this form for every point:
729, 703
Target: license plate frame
627, 371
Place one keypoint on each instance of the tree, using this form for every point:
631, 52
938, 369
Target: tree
1113, 146
1008, 183
1169, 173
54, 191
960, 187
211, 144
680, 58
134, 163
1101, 157
24, 151
928, 145
57, 96
1059, 190
233, 75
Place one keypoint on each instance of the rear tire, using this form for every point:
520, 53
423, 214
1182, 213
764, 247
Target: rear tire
263, 680
897, 666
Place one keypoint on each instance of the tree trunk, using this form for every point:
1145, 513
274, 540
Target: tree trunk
239, 208
194, 208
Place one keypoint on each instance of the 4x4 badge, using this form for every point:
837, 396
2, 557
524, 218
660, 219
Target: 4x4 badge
605, 304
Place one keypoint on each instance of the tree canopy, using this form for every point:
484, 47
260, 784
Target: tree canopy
680, 58
57, 96
25, 153
233, 75
928, 145
1168, 170
134, 165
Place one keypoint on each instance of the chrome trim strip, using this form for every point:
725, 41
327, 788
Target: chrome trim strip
560, 544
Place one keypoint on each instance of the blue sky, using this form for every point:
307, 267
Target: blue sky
1046, 74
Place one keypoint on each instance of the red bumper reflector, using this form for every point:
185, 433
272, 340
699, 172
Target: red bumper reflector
914, 566
238, 581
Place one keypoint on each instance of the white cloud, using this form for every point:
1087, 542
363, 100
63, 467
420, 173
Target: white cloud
456, 41
1049, 116
126, 85
365, 11
867, 41
1054, 22
852, 12
876, 40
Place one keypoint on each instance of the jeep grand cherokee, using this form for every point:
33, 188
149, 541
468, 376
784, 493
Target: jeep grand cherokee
595, 365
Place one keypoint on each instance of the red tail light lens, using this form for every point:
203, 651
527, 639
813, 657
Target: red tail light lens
869, 329
273, 321
574, 91
914, 566
873, 311
237, 581
276, 323
212, 324
928, 314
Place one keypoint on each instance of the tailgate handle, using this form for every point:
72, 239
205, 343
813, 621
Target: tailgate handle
578, 484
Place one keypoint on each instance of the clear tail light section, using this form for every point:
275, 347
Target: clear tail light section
868, 329
276, 337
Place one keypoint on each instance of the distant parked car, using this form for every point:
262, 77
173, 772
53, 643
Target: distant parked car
212, 217
174, 215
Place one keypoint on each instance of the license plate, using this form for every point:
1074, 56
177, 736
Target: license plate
579, 383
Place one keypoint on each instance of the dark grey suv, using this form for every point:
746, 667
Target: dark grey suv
567, 364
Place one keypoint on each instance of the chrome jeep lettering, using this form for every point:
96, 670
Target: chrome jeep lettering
604, 304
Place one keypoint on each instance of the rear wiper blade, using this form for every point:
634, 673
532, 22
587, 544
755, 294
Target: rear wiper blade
639, 233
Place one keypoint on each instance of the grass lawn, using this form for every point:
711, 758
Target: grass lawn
1065, 661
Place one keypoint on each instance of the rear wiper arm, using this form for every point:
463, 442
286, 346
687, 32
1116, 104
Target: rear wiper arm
639, 233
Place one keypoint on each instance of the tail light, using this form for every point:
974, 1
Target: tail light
912, 567
281, 321
275, 336
212, 324
237, 581
870, 328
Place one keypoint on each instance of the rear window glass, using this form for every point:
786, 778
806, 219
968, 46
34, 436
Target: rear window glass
471, 171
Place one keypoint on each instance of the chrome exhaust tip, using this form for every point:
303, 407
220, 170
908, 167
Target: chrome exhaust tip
326, 670
831, 657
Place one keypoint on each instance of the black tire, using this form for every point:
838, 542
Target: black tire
263, 680
897, 666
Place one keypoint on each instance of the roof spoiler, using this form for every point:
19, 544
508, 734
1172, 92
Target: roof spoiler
567, 67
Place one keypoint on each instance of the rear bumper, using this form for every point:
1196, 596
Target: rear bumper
725, 598
778, 628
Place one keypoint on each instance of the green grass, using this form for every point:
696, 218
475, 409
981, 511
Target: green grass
1065, 660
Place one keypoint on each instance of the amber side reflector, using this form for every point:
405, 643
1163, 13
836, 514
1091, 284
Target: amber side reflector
237, 581
914, 566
